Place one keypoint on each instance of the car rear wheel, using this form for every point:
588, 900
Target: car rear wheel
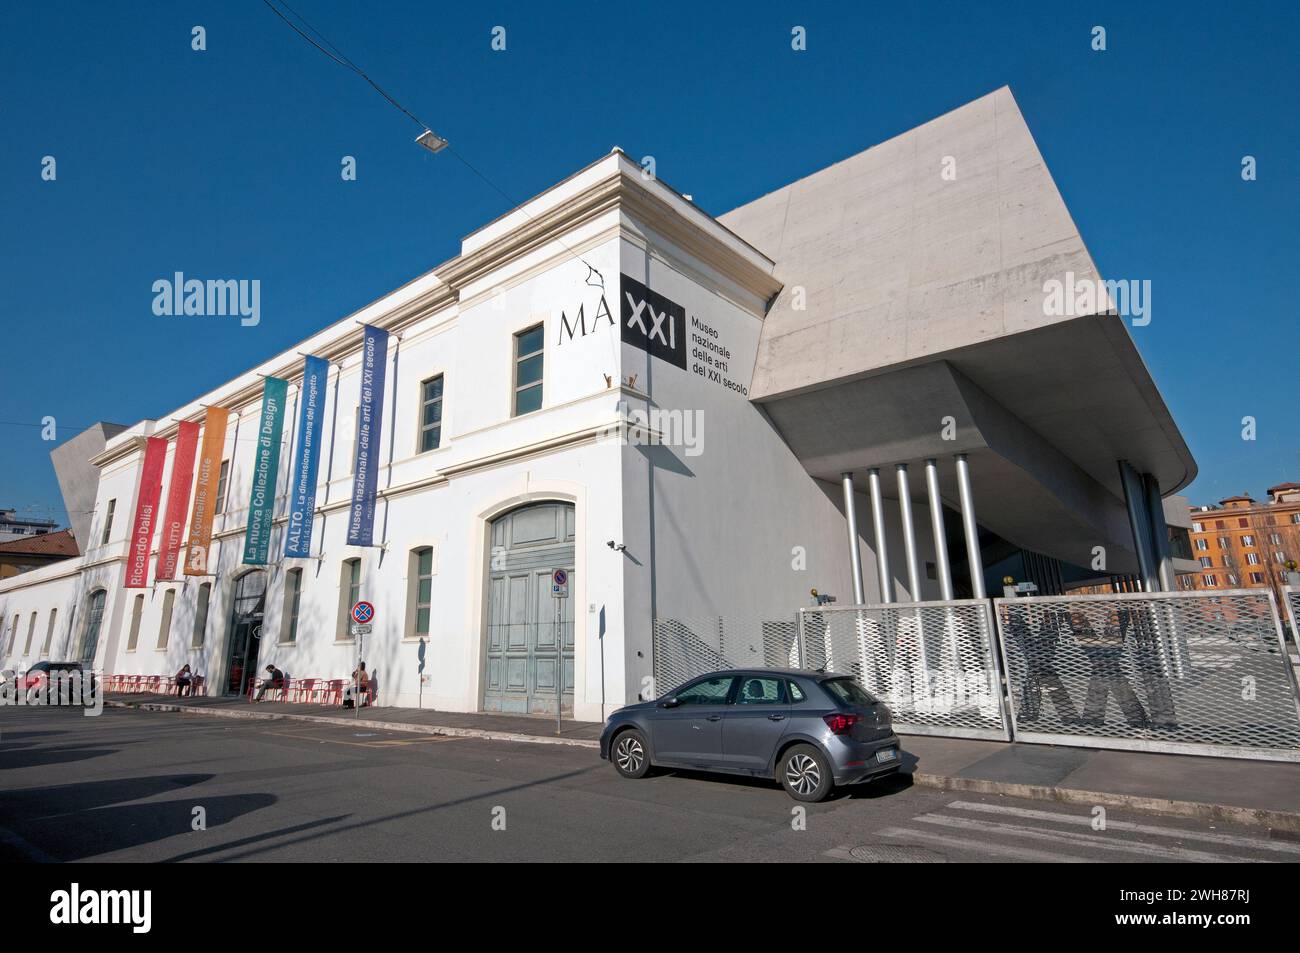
805, 774
631, 757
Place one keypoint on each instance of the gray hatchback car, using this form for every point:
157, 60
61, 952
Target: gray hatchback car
809, 730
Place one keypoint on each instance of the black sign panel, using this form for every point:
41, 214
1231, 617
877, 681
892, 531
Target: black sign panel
653, 323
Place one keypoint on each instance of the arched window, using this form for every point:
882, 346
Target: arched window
49, 633
165, 625
31, 631
90, 637
137, 610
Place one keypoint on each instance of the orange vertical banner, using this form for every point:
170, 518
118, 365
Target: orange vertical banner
205, 492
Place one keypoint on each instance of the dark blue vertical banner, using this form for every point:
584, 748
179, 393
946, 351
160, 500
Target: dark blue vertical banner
370, 418
306, 457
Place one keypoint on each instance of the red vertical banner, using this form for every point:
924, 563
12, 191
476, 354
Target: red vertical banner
178, 500
146, 513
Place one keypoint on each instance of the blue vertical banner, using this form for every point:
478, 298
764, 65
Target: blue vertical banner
266, 470
306, 457
370, 418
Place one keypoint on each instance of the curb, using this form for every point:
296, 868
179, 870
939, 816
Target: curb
1221, 813
369, 722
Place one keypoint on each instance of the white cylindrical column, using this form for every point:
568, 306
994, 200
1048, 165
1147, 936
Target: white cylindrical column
970, 528
878, 527
909, 533
942, 567
855, 554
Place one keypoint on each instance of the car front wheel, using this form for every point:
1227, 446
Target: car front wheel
631, 757
805, 774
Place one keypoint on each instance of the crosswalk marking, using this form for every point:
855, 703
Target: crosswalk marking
982, 847
1212, 837
1069, 838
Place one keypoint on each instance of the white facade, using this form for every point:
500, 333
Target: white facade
718, 519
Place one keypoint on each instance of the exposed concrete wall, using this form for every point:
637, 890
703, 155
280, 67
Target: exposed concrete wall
78, 478
898, 261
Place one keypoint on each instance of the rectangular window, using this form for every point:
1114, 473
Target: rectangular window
422, 563
1202, 544
137, 610
1208, 580
201, 616
431, 414
349, 595
223, 477
528, 370
1275, 539
1256, 578
1243, 522
108, 522
165, 626
49, 633
1223, 542
1252, 559
1295, 518
1232, 579
1248, 540
1198, 528
1207, 562
292, 601
13, 636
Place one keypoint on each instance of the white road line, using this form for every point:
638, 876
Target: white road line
980, 847
1099, 841
1208, 836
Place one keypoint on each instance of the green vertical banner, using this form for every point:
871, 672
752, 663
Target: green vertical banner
266, 468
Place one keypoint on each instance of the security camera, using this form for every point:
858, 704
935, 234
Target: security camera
617, 547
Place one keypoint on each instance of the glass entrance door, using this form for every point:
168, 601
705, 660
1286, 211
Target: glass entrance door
245, 631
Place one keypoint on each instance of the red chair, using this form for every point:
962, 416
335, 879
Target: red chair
332, 692
131, 684
196, 685
302, 690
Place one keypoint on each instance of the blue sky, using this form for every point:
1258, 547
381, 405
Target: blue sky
225, 163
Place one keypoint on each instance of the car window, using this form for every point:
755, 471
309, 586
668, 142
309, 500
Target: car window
711, 691
847, 690
796, 693
759, 691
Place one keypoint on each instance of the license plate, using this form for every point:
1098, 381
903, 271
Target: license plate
889, 754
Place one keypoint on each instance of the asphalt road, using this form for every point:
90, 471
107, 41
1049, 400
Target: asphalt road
125, 786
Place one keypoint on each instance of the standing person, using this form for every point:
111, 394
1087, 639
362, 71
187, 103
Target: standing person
274, 679
1151, 667
1105, 650
183, 680
1039, 648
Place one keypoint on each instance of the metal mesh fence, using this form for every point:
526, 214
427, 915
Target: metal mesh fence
1199, 672
934, 664
1291, 597
688, 648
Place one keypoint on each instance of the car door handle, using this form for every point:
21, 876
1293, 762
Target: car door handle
715, 718
776, 717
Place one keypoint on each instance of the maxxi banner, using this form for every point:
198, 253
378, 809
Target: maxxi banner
266, 469
205, 491
146, 513
306, 458
370, 418
178, 499
653, 323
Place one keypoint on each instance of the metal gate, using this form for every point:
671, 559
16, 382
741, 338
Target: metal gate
1193, 672
935, 664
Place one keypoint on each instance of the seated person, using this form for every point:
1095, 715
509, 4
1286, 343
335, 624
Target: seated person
274, 679
361, 684
184, 679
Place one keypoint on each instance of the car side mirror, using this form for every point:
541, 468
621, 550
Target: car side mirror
669, 702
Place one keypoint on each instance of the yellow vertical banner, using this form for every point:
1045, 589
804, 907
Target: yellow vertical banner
205, 492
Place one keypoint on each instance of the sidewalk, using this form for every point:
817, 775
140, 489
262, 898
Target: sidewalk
1219, 790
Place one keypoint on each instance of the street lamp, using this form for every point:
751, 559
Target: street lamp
431, 141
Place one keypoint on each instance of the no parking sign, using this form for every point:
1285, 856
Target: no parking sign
560, 584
